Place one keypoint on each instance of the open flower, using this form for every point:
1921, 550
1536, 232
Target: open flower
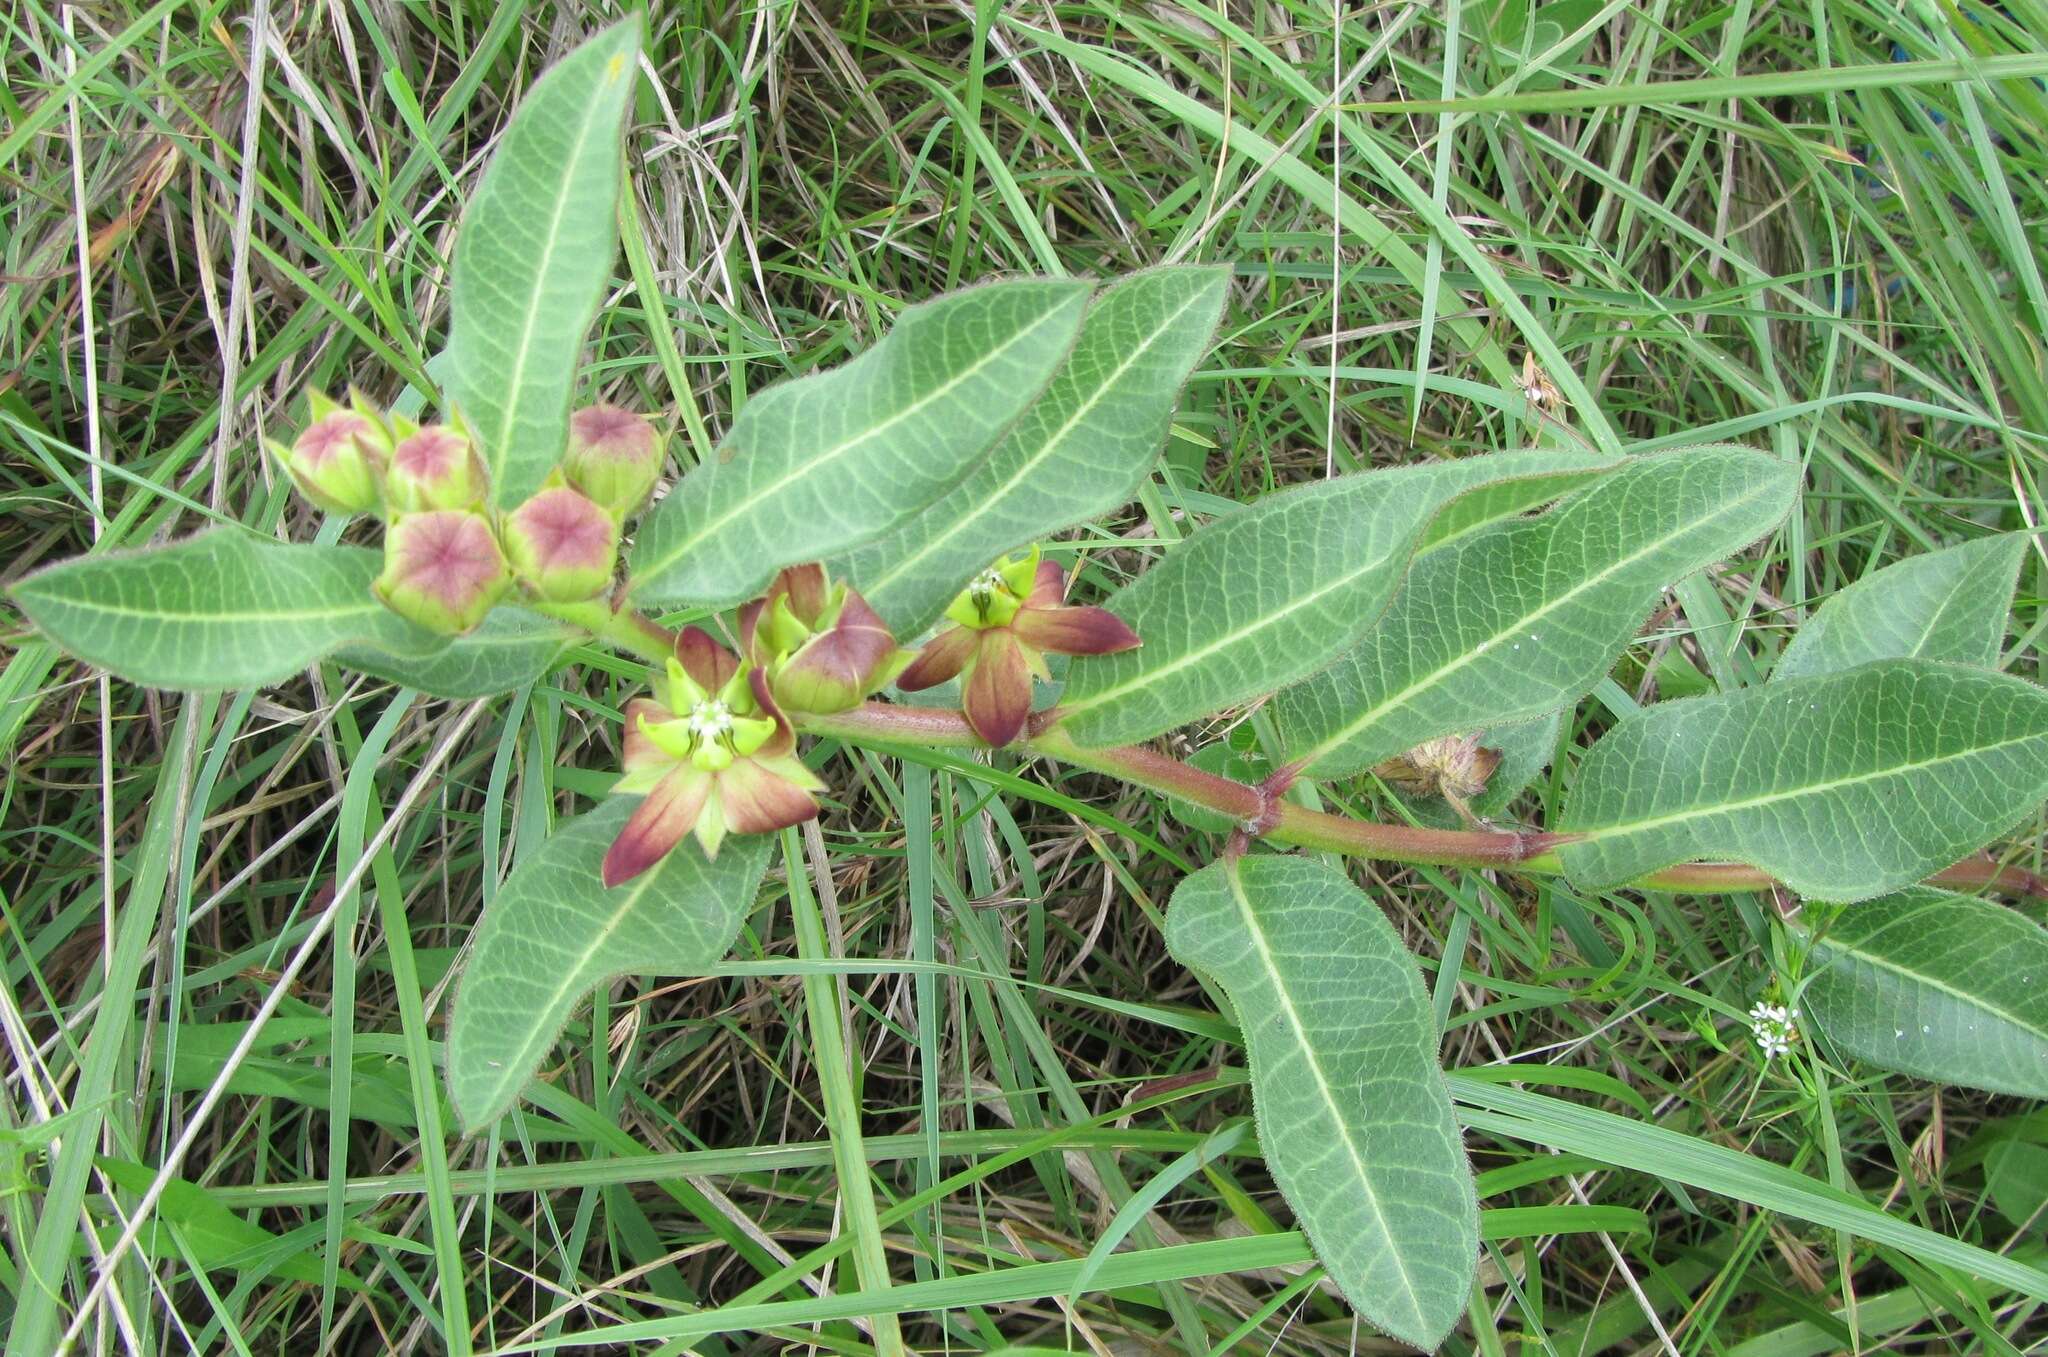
711, 761
1009, 617
823, 647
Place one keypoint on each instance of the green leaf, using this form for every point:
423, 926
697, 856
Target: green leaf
1842, 785
532, 259
224, 609
1354, 1116
1938, 985
1943, 605
1077, 453
216, 1236
1269, 594
1524, 617
511, 649
554, 933
824, 463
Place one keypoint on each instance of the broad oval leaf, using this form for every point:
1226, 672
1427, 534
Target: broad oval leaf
1269, 594
1354, 1115
531, 261
511, 649
818, 465
1841, 785
1938, 985
1077, 453
1524, 617
225, 609
1943, 605
554, 933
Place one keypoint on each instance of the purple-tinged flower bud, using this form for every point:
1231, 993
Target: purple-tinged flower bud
854, 654
435, 467
334, 463
442, 569
562, 546
614, 457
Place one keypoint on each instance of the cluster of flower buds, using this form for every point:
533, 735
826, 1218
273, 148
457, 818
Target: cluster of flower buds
448, 557
1007, 620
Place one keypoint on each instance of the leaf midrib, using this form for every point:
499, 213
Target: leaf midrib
159, 614
1151, 677
1969, 1000
801, 470
1595, 834
575, 977
500, 447
1368, 1190
1471, 655
1039, 458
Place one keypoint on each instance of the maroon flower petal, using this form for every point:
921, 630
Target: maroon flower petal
1074, 631
805, 585
942, 658
1048, 587
709, 664
757, 801
667, 814
750, 619
998, 695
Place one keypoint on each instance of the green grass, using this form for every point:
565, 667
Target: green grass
1812, 227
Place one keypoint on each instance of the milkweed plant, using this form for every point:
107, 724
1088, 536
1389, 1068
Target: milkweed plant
871, 559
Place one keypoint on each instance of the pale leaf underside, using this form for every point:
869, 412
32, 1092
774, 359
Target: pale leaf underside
555, 932
821, 464
1937, 985
531, 260
1354, 1118
1078, 452
1524, 617
224, 609
1841, 785
1268, 595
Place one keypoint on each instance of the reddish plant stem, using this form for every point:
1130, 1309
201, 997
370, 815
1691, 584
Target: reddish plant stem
1260, 811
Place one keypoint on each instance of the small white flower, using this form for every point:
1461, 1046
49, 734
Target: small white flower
1774, 1027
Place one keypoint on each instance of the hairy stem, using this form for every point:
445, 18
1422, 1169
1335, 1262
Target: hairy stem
626, 628
1261, 812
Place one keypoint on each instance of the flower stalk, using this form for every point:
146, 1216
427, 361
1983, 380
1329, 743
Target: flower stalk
1282, 821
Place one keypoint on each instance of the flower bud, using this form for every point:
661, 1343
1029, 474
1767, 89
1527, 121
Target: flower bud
562, 546
435, 467
853, 654
334, 463
614, 458
442, 569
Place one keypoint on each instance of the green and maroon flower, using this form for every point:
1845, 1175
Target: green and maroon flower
336, 463
442, 569
562, 546
1009, 618
614, 457
822, 647
711, 762
434, 466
